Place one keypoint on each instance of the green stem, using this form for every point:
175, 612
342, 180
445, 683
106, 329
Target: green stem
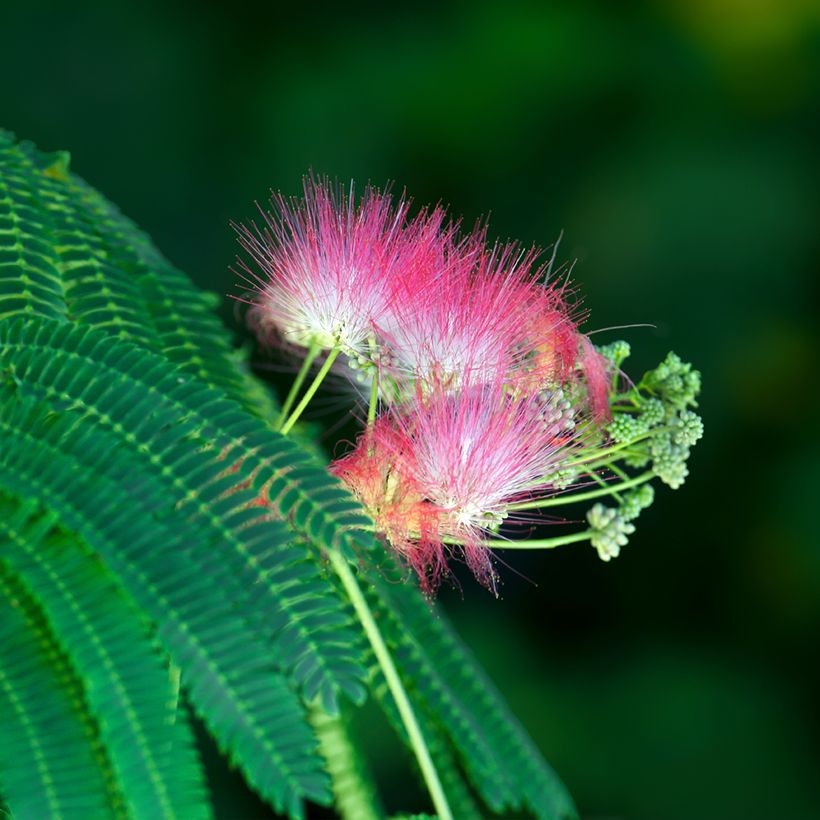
371, 413
594, 455
610, 461
374, 400
619, 472
572, 498
382, 653
538, 543
598, 480
310, 357
374, 387
310, 392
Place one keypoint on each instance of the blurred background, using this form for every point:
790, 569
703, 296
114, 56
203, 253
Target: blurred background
676, 146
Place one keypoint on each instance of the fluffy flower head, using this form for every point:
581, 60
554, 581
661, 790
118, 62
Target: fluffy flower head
597, 374
462, 313
437, 475
480, 449
322, 265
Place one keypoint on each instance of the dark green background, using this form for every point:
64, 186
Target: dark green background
675, 144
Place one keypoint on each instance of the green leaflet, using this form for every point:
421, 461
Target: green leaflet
189, 333
66, 252
126, 682
31, 281
413, 817
353, 788
51, 761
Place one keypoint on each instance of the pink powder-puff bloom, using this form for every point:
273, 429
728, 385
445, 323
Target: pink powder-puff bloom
438, 475
478, 450
461, 312
322, 266
561, 355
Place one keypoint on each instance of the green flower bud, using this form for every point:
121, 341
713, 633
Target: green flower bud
688, 429
624, 428
638, 460
610, 531
563, 477
653, 413
637, 500
674, 381
669, 460
616, 352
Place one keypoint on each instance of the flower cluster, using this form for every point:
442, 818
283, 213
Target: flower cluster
440, 472
485, 398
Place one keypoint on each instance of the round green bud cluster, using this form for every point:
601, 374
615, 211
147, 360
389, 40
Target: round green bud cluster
563, 477
358, 362
616, 352
675, 381
624, 428
637, 500
610, 530
688, 428
362, 368
652, 426
669, 460
653, 413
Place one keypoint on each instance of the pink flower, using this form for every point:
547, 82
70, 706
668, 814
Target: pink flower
462, 311
437, 476
323, 265
478, 450
551, 344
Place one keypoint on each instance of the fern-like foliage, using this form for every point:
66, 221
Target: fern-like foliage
66, 252
53, 762
161, 545
128, 690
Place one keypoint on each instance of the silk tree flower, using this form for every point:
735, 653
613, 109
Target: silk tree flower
322, 266
437, 476
480, 449
424, 252
462, 312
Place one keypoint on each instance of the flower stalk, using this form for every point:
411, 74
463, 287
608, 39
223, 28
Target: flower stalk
422, 753
573, 498
310, 357
374, 386
357, 598
311, 391
537, 543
